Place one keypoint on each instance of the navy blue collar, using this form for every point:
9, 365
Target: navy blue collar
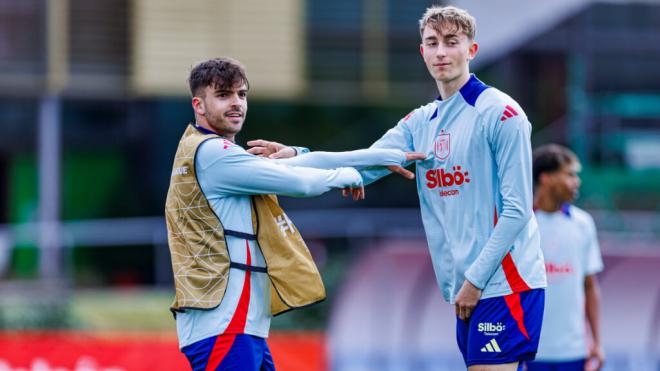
204, 130
471, 90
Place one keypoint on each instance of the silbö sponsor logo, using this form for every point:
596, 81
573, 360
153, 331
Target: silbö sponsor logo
439, 178
491, 329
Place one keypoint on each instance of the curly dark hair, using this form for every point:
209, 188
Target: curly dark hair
549, 158
221, 73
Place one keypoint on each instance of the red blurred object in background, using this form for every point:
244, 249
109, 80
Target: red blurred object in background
77, 350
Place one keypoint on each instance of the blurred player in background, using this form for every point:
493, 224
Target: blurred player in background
475, 191
237, 258
572, 259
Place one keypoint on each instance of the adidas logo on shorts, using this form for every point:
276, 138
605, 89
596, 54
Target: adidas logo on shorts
491, 347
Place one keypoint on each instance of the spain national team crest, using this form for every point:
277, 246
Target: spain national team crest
441, 146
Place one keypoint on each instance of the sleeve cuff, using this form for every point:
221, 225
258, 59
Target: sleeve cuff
474, 281
300, 150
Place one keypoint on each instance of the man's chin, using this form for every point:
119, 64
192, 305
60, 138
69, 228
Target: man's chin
236, 123
445, 78
233, 122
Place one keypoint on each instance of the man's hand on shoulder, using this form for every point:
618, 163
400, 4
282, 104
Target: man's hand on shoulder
269, 149
467, 300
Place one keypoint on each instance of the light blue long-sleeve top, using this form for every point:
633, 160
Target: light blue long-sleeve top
475, 190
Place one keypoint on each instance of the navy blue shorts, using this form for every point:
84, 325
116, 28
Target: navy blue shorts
502, 330
557, 366
230, 352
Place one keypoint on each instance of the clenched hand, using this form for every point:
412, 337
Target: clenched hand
466, 300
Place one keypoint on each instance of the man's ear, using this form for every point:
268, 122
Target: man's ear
421, 49
544, 178
472, 52
198, 105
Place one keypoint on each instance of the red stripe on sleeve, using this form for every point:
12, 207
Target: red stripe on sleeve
511, 273
495, 213
512, 276
220, 349
517, 312
507, 113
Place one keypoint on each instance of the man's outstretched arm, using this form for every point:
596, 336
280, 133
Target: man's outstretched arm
359, 159
232, 171
370, 162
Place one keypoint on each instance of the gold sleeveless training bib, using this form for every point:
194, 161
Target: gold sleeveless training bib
200, 258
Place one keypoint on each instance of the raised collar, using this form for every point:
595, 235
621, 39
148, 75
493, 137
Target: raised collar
470, 90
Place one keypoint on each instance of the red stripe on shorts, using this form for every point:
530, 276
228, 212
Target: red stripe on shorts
220, 349
517, 312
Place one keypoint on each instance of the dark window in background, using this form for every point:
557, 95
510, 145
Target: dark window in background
95, 124
4, 181
621, 35
22, 42
99, 44
404, 59
117, 266
18, 124
334, 40
102, 150
18, 140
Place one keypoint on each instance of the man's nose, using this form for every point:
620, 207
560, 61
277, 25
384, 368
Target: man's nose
236, 106
236, 101
440, 51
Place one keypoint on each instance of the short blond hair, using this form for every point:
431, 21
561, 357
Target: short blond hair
437, 16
